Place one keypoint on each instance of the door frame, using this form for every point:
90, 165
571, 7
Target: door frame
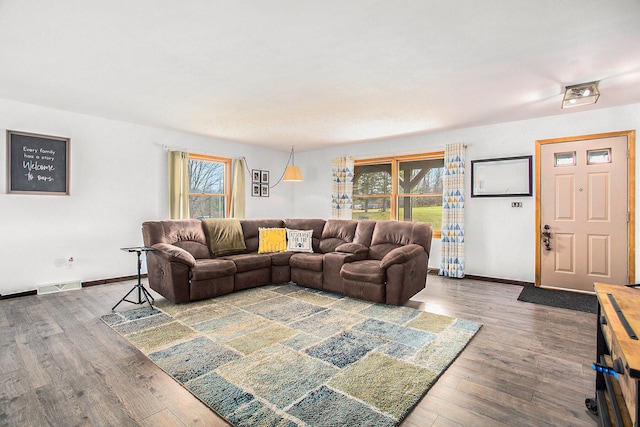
631, 195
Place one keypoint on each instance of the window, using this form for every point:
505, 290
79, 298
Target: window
209, 186
595, 157
406, 188
565, 159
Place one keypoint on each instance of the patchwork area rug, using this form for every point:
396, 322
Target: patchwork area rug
283, 355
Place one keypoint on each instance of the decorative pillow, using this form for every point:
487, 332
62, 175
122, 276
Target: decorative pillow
271, 240
299, 240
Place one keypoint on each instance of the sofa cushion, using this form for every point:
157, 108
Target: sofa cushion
280, 258
272, 240
388, 235
212, 269
248, 262
364, 271
337, 232
364, 231
307, 261
186, 234
299, 240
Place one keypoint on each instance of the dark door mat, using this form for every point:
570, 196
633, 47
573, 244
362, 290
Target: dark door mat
561, 299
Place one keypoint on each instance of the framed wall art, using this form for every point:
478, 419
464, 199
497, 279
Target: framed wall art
255, 189
38, 164
259, 183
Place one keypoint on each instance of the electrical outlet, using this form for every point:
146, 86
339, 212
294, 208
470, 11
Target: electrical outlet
516, 204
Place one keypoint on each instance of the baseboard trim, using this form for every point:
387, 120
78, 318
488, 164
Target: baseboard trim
111, 280
435, 271
84, 285
19, 294
497, 280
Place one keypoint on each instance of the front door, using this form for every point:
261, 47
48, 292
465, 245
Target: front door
584, 211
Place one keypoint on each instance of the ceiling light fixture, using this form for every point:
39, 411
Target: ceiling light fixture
292, 173
582, 94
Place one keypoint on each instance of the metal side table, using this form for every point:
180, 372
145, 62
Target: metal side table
143, 294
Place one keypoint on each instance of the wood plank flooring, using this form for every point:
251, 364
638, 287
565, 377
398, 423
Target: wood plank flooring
529, 365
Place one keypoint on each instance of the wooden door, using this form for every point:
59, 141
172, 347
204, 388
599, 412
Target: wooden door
584, 212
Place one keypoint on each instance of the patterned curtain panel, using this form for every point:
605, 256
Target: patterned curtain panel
452, 262
342, 187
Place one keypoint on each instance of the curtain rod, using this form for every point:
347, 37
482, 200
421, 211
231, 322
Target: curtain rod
403, 153
203, 153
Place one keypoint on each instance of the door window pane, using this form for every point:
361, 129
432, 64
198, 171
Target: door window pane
595, 157
565, 159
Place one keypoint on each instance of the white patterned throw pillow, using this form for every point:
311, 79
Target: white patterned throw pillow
299, 240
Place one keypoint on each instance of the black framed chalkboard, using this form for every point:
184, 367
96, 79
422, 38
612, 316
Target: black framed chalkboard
38, 163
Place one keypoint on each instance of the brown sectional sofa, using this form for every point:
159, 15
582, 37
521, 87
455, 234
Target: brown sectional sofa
379, 261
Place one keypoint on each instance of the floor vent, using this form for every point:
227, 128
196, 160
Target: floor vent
59, 287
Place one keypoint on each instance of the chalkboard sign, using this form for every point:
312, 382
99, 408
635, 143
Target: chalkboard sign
37, 163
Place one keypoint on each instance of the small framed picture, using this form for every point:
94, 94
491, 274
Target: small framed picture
255, 175
264, 190
264, 177
255, 190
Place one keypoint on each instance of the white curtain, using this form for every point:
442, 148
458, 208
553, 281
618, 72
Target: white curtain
452, 261
238, 190
342, 187
178, 184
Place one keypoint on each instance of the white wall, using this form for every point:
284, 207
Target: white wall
118, 180
500, 240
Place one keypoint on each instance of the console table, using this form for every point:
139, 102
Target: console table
618, 356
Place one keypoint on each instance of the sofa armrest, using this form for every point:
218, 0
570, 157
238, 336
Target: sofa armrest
174, 254
352, 248
401, 255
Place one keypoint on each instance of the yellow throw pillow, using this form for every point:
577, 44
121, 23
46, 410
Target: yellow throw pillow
272, 240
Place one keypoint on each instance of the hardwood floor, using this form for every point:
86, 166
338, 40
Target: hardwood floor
529, 365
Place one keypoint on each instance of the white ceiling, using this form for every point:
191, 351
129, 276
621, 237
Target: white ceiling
311, 73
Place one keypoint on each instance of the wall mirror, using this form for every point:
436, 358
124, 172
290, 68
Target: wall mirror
502, 177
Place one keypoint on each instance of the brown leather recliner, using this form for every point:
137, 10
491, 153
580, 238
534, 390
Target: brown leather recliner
396, 265
181, 268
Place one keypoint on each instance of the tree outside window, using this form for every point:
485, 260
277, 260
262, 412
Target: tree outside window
406, 188
209, 183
